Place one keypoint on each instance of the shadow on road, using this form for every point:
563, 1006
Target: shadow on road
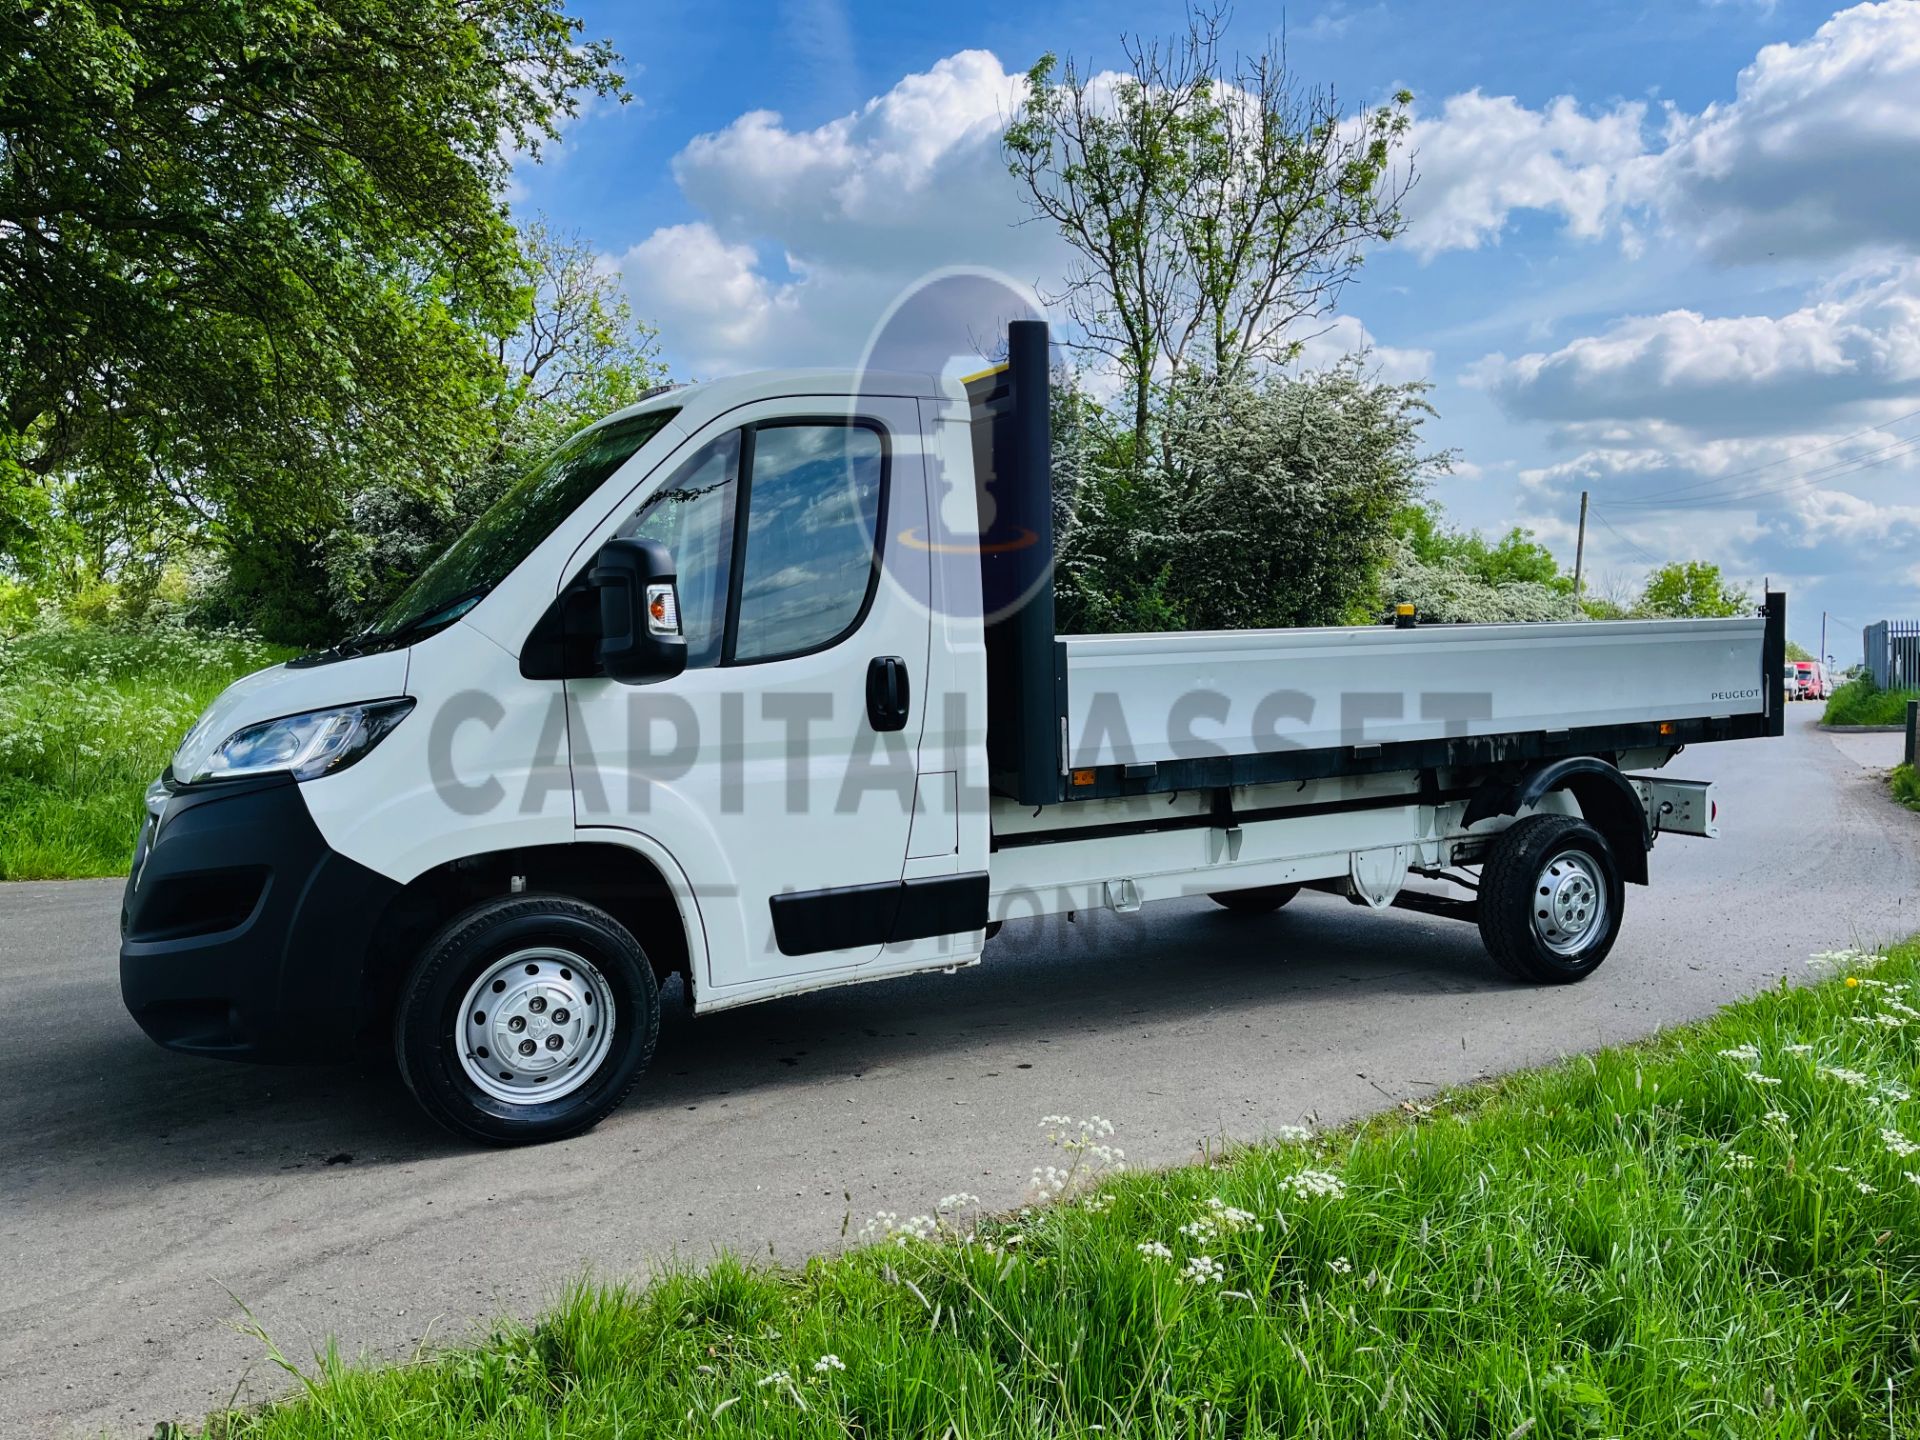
118, 1109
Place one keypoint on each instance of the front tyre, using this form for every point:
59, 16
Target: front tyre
527, 1018
1551, 900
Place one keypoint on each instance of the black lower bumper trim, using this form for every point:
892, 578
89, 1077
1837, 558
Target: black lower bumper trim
243, 934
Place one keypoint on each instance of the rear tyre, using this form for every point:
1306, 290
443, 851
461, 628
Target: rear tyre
1258, 901
527, 1018
1551, 900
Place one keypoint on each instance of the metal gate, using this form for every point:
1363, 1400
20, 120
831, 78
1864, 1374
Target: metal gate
1893, 654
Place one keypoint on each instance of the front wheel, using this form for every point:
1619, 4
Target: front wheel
1551, 900
527, 1018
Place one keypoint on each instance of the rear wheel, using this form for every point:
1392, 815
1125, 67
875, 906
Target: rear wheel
1258, 901
1551, 900
528, 1018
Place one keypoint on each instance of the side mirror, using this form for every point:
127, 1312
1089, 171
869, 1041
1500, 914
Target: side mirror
640, 640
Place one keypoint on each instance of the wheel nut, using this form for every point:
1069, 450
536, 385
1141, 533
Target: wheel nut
526, 1047
553, 1042
560, 1016
537, 1004
517, 1024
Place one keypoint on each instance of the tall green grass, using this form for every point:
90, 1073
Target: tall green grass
1905, 781
1713, 1234
1861, 702
89, 714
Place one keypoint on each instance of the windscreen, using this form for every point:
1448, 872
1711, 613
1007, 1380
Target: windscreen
510, 529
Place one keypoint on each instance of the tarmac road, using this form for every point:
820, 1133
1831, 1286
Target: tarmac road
140, 1192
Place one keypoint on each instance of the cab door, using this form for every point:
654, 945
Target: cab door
778, 770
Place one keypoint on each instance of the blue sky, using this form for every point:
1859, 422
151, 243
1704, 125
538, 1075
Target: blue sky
1668, 253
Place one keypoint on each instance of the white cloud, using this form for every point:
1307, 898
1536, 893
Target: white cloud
1817, 154
1854, 345
858, 209
706, 293
1344, 335
1822, 516
1485, 156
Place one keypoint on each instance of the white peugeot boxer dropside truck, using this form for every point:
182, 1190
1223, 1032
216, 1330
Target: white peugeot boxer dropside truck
756, 683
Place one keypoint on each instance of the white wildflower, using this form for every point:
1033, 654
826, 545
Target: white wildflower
1340, 1265
1844, 1076
1153, 1250
1232, 1218
1748, 1053
778, 1377
1739, 1161
1310, 1183
1898, 1145
827, 1363
961, 1201
1292, 1132
1203, 1270
1760, 1078
1798, 1049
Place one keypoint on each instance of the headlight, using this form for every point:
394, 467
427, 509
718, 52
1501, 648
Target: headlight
305, 746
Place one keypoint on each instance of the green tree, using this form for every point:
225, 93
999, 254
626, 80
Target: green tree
579, 355
249, 252
1516, 558
1691, 589
1212, 208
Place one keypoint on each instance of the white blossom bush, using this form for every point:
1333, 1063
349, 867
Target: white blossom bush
1261, 503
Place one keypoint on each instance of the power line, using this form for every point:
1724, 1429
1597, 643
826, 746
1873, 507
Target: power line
1769, 465
1626, 540
1886, 454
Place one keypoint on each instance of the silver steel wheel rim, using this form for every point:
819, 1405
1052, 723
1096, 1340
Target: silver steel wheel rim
1569, 902
535, 1026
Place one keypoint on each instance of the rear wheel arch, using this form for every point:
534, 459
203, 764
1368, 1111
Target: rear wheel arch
1606, 798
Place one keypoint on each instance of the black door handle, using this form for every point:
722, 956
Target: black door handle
888, 700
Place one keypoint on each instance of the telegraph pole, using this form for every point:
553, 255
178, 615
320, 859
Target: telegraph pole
1580, 553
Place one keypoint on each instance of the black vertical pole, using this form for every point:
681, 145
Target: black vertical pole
1016, 564
1913, 732
1773, 661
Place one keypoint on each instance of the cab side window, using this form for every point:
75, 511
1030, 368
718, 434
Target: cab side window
692, 514
810, 558
799, 573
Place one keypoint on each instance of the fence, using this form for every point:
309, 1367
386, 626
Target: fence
1893, 654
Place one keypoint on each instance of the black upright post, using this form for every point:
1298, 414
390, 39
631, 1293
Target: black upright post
1016, 565
1913, 732
1773, 662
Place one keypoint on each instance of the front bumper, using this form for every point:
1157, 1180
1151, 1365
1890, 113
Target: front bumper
243, 934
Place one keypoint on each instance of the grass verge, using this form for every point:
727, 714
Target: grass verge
1905, 781
88, 716
1715, 1233
1861, 702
